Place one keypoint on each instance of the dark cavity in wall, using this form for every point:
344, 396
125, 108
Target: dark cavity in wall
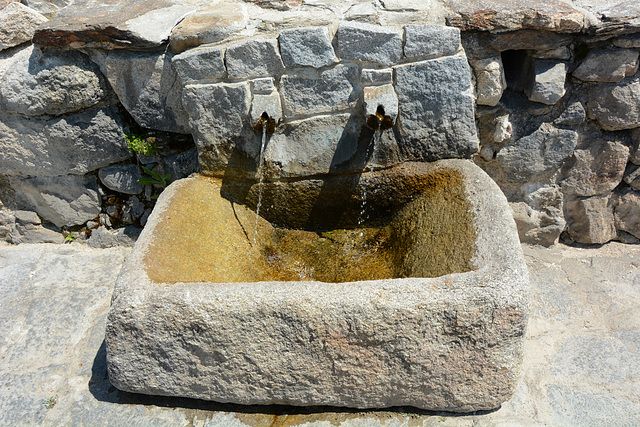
515, 68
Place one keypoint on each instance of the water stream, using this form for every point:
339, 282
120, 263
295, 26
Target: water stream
261, 175
363, 190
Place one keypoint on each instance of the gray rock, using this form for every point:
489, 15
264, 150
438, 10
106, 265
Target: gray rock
597, 169
209, 25
7, 224
376, 76
634, 153
77, 143
607, 65
258, 57
51, 83
199, 64
132, 210
369, 43
103, 238
121, 178
615, 106
632, 176
306, 47
264, 85
128, 24
490, 80
62, 200
562, 53
181, 165
436, 110
17, 24
626, 211
631, 41
573, 115
540, 219
536, 155
218, 115
306, 92
548, 83
146, 85
590, 220
430, 40
383, 96
265, 103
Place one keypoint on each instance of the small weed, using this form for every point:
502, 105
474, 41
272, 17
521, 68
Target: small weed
139, 144
442, 419
50, 402
155, 178
70, 237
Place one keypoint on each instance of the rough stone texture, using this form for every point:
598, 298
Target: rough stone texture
369, 43
258, 57
540, 219
306, 47
209, 25
112, 24
634, 153
217, 114
121, 178
381, 96
626, 211
597, 169
590, 220
430, 40
306, 92
77, 143
627, 41
548, 83
615, 106
618, 17
367, 329
103, 238
62, 200
490, 80
573, 115
51, 83
199, 64
542, 152
436, 111
25, 227
17, 24
527, 39
562, 53
146, 86
265, 103
510, 15
376, 76
608, 65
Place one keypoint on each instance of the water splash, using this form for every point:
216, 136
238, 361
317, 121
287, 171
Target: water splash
261, 175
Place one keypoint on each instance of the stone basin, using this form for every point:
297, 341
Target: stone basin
399, 287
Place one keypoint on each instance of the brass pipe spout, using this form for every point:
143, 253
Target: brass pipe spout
265, 123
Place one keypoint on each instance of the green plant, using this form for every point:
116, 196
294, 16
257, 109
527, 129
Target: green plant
50, 402
155, 178
70, 237
139, 144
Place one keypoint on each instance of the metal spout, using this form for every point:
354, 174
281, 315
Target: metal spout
379, 120
265, 123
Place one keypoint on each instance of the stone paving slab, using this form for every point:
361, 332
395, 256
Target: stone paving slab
581, 354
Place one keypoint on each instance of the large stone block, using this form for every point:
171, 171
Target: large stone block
306, 92
615, 106
369, 43
306, 47
206, 63
547, 84
51, 83
147, 87
436, 110
538, 154
76, 144
490, 80
607, 65
627, 212
257, 57
121, 178
17, 24
63, 200
430, 40
447, 343
590, 220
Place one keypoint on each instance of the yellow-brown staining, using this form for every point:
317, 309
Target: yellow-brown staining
265, 122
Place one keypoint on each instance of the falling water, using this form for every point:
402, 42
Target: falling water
370, 152
260, 161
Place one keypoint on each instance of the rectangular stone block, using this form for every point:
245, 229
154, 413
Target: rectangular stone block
376, 76
369, 43
257, 57
306, 92
199, 64
306, 47
430, 40
436, 109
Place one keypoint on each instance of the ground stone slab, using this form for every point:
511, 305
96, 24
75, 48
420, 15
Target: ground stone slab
113, 24
17, 24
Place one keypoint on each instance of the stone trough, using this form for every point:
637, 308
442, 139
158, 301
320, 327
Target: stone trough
404, 286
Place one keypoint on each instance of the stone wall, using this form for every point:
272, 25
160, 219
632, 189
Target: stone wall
555, 93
